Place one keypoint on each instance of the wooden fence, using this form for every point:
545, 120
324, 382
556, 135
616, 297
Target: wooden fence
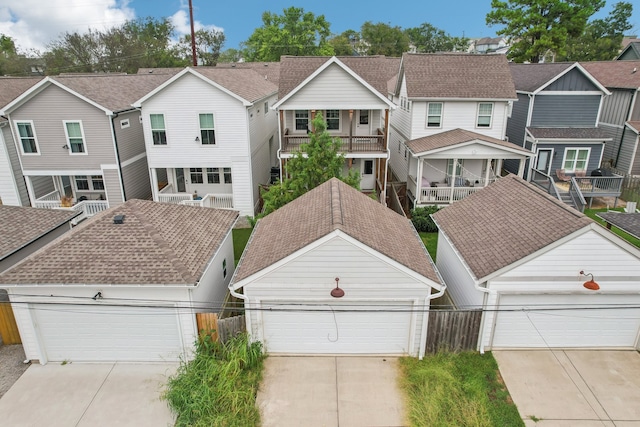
9, 333
453, 330
630, 185
220, 329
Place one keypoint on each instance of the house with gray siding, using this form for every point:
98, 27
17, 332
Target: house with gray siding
620, 112
79, 141
557, 117
631, 52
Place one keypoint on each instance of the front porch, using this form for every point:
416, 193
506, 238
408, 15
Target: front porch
55, 200
168, 194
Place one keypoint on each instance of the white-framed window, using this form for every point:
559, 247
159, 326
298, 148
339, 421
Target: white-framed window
82, 183
459, 166
485, 113
97, 181
405, 153
75, 137
207, 129
302, 120
576, 159
333, 119
124, 123
266, 107
434, 114
213, 175
224, 268
196, 175
227, 175
27, 135
158, 130
89, 183
409, 103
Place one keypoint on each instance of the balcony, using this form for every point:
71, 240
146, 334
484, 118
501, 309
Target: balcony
349, 144
88, 208
217, 201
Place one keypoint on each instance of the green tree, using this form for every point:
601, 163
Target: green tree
535, 27
349, 43
208, 45
230, 55
383, 39
602, 38
11, 62
428, 39
295, 32
315, 163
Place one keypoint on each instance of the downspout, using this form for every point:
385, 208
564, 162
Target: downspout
486, 292
624, 126
425, 322
115, 144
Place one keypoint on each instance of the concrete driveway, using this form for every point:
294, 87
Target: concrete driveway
94, 395
330, 391
569, 388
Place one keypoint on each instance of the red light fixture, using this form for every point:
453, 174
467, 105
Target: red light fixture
337, 292
590, 284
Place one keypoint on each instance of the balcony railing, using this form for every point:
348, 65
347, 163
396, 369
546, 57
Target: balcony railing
88, 208
349, 144
218, 201
444, 195
599, 186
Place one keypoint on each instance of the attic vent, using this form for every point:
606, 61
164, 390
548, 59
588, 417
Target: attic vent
118, 219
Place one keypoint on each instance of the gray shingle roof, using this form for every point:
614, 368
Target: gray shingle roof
452, 75
375, 70
615, 74
505, 222
568, 133
530, 77
331, 206
20, 226
158, 244
270, 70
454, 137
628, 222
12, 87
244, 82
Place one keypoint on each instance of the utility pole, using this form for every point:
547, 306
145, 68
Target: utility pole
193, 36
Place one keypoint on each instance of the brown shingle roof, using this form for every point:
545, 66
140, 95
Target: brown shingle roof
244, 82
12, 87
635, 125
375, 70
454, 75
20, 226
505, 222
331, 206
270, 70
159, 244
454, 137
568, 133
530, 77
615, 74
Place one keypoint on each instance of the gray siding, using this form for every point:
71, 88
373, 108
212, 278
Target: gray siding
113, 187
137, 184
635, 111
558, 154
629, 55
15, 166
42, 185
565, 111
626, 158
574, 80
130, 140
611, 147
518, 121
615, 107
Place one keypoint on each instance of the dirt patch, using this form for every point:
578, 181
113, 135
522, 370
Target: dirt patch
11, 366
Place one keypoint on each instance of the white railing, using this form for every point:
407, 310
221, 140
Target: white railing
91, 207
166, 189
444, 195
219, 201
49, 201
175, 198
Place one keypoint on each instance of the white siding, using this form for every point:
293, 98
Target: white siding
399, 163
262, 127
401, 119
242, 195
460, 284
9, 194
213, 287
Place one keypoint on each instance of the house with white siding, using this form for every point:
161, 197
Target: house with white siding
544, 274
351, 92
80, 142
447, 136
210, 136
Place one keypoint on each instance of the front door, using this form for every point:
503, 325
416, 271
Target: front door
180, 180
67, 190
363, 123
368, 178
543, 161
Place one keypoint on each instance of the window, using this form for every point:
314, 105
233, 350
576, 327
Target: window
434, 114
27, 138
196, 175
364, 117
302, 120
207, 131
224, 268
405, 153
227, 175
97, 182
213, 175
576, 159
158, 131
75, 138
333, 119
368, 167
459, 166
485, 111
124, 123
82, 183
266, 107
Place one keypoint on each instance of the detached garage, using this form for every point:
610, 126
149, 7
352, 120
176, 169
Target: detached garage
548, 276
335, 272
124, 285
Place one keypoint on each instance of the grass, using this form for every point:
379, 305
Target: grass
591, 213
218, 387
240, 239
462, 389
430, 240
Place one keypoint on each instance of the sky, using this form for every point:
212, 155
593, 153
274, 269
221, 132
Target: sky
35, 23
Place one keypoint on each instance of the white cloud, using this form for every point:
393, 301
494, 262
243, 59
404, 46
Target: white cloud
35, 23
180, 21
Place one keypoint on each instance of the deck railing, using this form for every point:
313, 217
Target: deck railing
174, 198
49, 201
576, 195
219, 201
91, 207
437, 195
599, 185
545, 182
349, 144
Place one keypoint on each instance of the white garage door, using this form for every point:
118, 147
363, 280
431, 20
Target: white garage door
93, 333
385, 329
594, 321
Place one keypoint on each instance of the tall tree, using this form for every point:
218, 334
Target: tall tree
208, 45
427, 39
535, 27
383, 39
295, 32
315, 163
230, 55
602, 38
349, 43
11, 62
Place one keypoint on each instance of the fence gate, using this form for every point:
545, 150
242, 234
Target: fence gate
8, 327
453, 330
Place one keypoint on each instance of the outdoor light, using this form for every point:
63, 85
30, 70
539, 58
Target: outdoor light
97, 296
337, 292
197, 139
590, 284
65, 146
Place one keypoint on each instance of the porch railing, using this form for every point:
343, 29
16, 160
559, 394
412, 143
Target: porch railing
350, 144
544, 182
49, 200
174, 198
576, 195
219, 201
594, 186
91, 207
438, 195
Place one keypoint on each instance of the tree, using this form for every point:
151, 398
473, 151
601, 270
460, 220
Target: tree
208, 45
427, 39
295, 32
535, 27
349, 43
230, 55
11, 62
316, 162
602, 38
383, 39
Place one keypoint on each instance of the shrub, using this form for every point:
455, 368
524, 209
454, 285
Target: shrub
422, 220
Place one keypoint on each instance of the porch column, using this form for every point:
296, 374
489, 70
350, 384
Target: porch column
386, 129
30, 190
281, 129
487, 172
419, 179
154, 183
499, 167
350, 130
453, 179
521, 168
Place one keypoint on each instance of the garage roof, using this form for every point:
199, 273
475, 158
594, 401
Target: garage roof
332, 206
157, 244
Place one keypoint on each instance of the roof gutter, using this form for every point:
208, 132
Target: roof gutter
115, 146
